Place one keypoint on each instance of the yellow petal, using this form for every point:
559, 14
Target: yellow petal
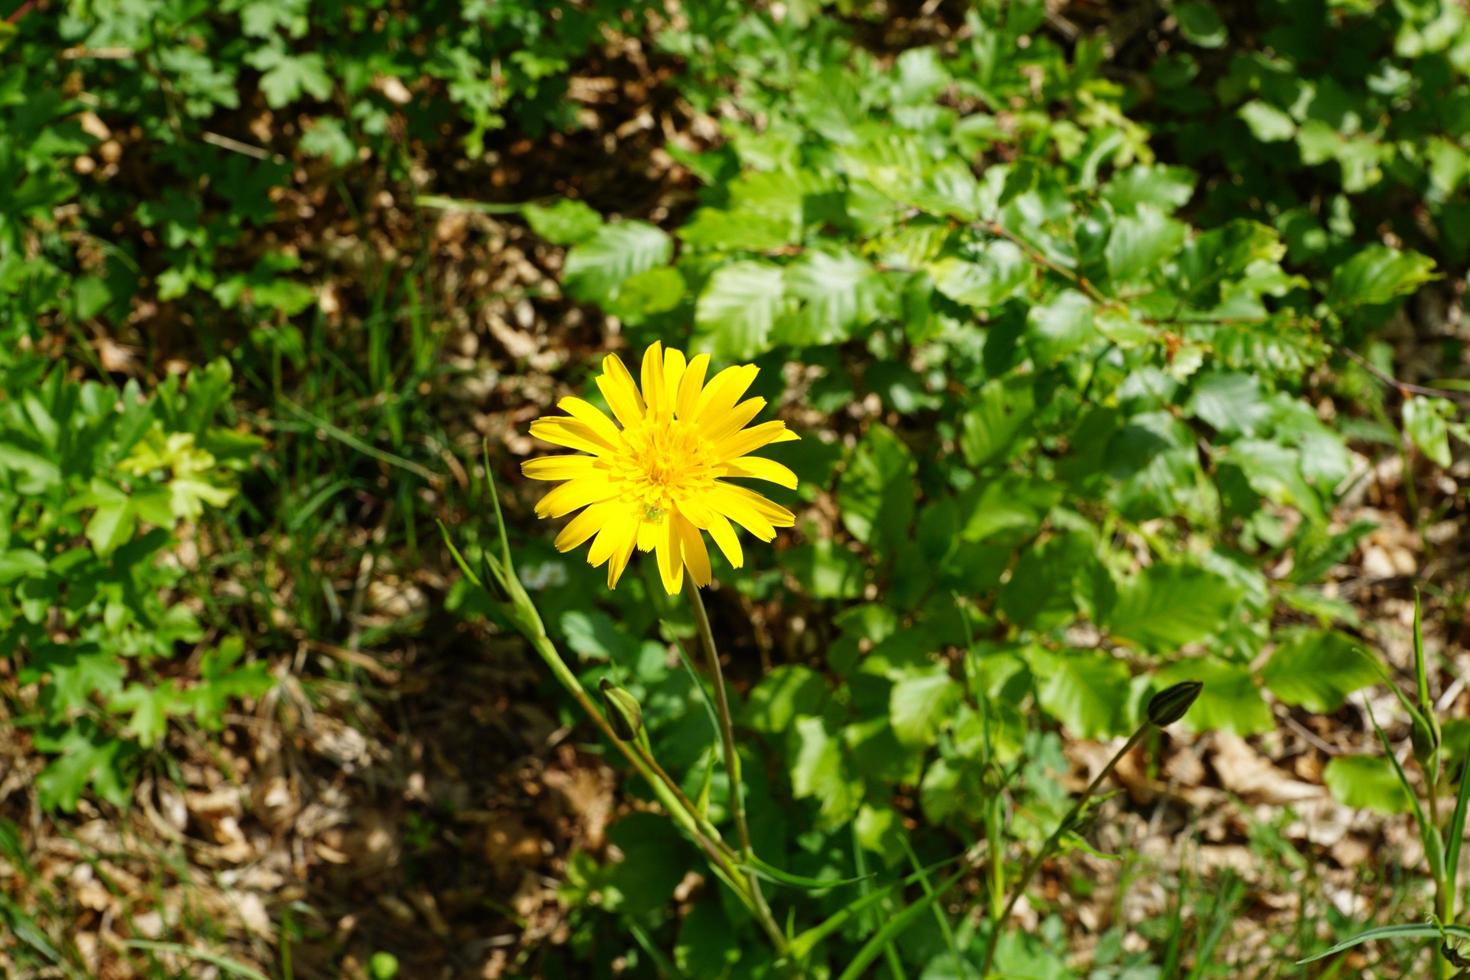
571, 434
589, 414
648, 535
724, 390
582, 527
617, 386
751, 439
735, 507
727, 539
721, 427
691, 545
674, 366
757, 468
618, 560
711, 520
653, 379
771, 511
577, 493
690, 386
617, 531
670, 564
557, 467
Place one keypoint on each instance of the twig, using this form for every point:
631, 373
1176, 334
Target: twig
1403, 387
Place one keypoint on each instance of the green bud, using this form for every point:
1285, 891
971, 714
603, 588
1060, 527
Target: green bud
623, 712
1170, 704
1424, 737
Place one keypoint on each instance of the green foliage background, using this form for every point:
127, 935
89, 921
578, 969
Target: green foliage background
1057, 309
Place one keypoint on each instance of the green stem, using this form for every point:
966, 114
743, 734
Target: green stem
680, 809
1050, 844
732, 759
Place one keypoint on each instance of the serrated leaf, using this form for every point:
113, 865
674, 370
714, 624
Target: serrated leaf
1000, 416
1200, 24
597, 266
919, 705
1087, 692
1060, 326
1267, 123
836, 294
1366, 782
567, 222
819, 772
1232, 403
1231, 700
876, 492
1426, 422
1378, 274
996, 274
1166, 188
738, 308
788, 692
1141, 242
1169, 606
1318, 669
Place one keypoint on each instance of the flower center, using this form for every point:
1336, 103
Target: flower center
664, 460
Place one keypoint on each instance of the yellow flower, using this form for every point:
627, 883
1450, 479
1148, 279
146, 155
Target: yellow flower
659, 477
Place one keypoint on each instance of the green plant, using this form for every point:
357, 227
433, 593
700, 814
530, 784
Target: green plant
96, 488
1380, 782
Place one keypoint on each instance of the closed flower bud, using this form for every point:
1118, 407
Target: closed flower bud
623, 712
1170, 704
1424, 737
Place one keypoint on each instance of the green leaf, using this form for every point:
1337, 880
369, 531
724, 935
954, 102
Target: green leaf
997, 273
919, 705
1421, 930
20, 563
1232, 403
1366, 782
150, 707
567, 222
820, 772
1165, 188
1426, 421
77, 671
1169, 606
1200, 24
738, 308
1060, 326
1267, 123
287, 76
1087, 691
1318, 669
788, 692
876, 492
707, 946
86, 757
1230, 701
1378, 274
654, 860
837, 293
1001, 414
598, 266
1140, 243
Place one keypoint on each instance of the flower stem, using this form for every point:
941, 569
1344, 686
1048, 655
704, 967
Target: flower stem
1050, 845
678, 805
732, 759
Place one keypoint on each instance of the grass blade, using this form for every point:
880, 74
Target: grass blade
233, 967
1433, 844
894, 927
770, 872
1418, 930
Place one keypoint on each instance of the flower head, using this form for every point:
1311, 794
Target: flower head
660, 475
